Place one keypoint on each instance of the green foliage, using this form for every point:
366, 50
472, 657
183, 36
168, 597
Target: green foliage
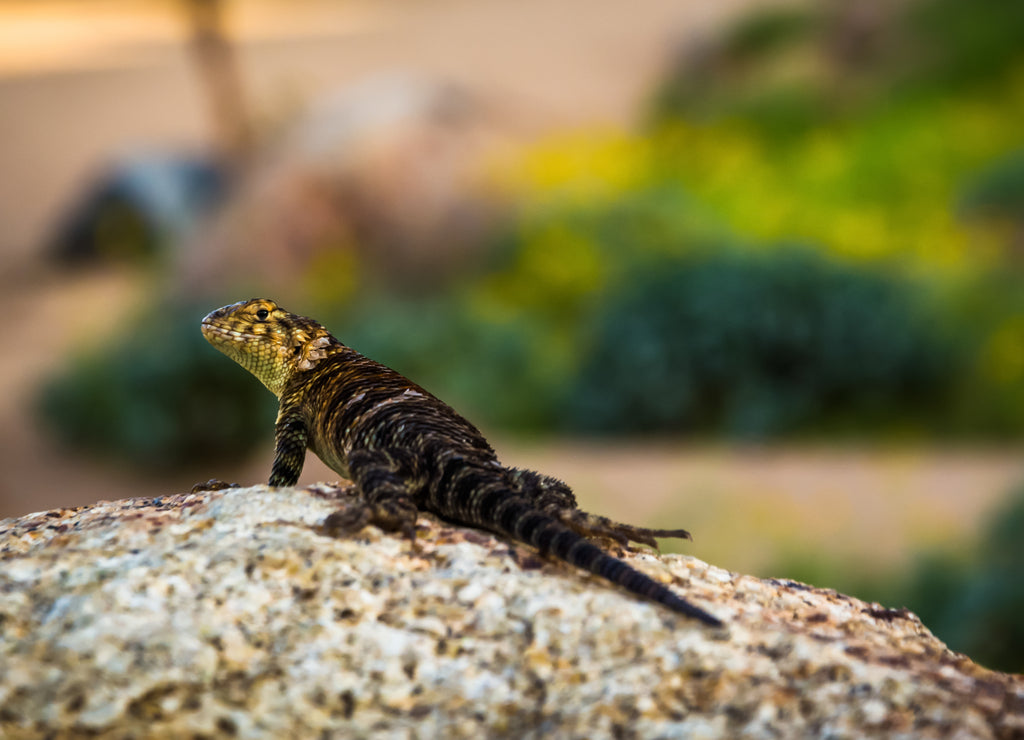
639, 312
161, 397
788, 71
976, 607
998, 191
972, 601
964, 44
756, 147
755, 70
487, 368
766, 31
697, 337
757, 346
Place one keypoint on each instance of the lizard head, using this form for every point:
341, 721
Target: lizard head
266, 340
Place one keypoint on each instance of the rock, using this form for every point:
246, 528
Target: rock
225, 613
390, 175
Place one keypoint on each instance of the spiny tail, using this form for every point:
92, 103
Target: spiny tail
552, 537
480, 495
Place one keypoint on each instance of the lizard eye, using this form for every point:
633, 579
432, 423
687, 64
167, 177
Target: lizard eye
262, 314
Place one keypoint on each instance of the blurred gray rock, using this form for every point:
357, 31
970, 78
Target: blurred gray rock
137, 207
224, 613
389, 171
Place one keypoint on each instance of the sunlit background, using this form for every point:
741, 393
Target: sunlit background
751, 268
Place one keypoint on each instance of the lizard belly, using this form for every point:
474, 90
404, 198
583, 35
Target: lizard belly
332, 460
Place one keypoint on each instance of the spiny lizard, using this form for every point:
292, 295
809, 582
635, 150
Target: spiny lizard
406, 450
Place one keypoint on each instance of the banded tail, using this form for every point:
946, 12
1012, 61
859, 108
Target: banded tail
529, 510
526, 524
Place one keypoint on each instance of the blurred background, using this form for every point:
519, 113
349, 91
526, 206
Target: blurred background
751, 268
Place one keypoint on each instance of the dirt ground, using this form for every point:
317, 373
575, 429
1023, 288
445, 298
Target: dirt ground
80, 83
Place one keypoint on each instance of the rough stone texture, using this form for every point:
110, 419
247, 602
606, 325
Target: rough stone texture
226, 613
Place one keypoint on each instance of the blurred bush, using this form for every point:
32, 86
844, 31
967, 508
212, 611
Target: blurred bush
785, 70
976, 606
137, 208
160, 398
755, 346
998, 191
855, 127
995, 198
971, 597
715, 339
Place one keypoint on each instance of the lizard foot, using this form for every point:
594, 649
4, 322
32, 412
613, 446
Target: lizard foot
592, 525
214, 484
391, 515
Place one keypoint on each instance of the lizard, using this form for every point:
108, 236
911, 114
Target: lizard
406, 450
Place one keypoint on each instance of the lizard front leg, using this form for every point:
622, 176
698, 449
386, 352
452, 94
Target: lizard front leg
290, 437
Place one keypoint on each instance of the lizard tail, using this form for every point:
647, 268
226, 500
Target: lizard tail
525, 523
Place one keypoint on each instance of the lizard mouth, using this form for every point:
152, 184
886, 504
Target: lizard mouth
209, 328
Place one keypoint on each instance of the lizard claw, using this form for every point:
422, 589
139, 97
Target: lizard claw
347, 521
214, 484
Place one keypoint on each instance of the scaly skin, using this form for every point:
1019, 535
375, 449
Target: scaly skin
406, 450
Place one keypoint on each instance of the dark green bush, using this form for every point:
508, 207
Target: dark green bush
160, 398
977, 607
767, 70
756, 346
489, 370
998, 192
960, 44
972, 600
752, 345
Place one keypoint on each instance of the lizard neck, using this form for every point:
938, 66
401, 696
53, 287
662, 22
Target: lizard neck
307, 348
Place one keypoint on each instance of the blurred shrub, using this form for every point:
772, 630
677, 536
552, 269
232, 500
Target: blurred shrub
957, 44
765, 68
159, 398
976, 607
881, 189
640, 313
787, 70
637, 313
998, 191
757, 346
139, 207
489, 369
712, 339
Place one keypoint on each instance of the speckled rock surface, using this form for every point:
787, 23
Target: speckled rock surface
225, 613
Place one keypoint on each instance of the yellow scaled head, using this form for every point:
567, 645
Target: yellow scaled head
266, 340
